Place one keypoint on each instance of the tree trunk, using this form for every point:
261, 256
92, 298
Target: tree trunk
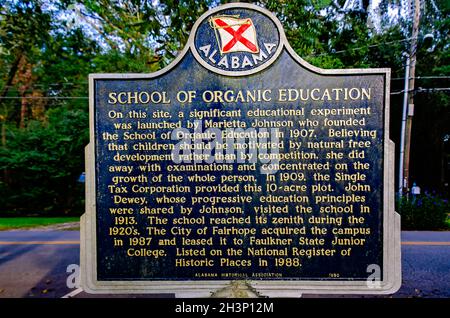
9, 80
11, 74
23, 111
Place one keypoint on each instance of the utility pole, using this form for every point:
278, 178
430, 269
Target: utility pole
401, 179
412, 74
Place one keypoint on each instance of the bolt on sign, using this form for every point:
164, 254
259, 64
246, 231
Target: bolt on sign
240, 161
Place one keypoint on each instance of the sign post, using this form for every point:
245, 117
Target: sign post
240, 161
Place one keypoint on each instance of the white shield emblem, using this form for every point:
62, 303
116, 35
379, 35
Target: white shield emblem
235, 35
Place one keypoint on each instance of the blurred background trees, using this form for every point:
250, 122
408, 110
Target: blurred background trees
48, 48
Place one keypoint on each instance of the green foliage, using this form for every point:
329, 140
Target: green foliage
326, 61
424, 212
152, 32
116, 62
10, 223
66, 56
42, 164
307, 30
22, 25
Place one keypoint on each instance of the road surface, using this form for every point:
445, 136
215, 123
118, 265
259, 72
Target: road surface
34, 263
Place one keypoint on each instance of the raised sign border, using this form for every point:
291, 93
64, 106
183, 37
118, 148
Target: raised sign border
391, 271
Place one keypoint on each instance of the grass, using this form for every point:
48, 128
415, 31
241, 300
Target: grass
30, 222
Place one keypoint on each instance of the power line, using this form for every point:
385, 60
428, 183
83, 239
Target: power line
424, 90
32, 89
420, 77
432, 89
360, 48
399, 92
53, 84
44, 97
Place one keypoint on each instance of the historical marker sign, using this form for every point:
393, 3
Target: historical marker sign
240, 161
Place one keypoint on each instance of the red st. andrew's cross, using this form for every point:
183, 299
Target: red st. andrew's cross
237, 36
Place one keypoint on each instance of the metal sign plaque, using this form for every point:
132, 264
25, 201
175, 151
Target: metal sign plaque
240, 161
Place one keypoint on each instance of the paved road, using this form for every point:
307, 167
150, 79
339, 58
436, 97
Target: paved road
425, 267
34, 263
